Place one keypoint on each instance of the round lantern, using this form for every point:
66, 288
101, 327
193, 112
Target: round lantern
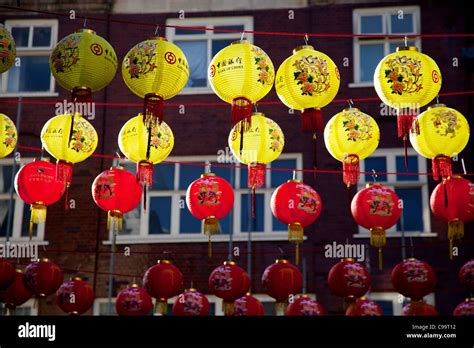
466, 275
241, 74
162, 281
349, 279
351, 136
42, 278
419, 308
406, 80
191, 303
444, 132
248, 305
145, 146
465, 308
133, 301
209, 199
7, 49
304, 306
83, 62
453, 201
229, 282
7, 274
8, 135
297, 205
307, 81
75, 297
364, 307
36, 184
155, 70
117, 192
376, 208
280, 280
413, 278
16, 294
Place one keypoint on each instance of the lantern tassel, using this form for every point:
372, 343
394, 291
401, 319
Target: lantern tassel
38, 215
455, 231
161, 306
152, 110
407, 123
210, 227
256, 175
296, 235
145, 172
242, 111
441, 167
350, 168
228, 308
378, 239
114, 223
64, 174
315, 159
81, 95
312, 120
280, 308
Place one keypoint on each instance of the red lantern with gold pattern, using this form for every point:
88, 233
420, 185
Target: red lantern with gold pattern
349, 279
43, 277
413, 278
364, 307
466, 275
133, 301
229, 282
16, 294
465, 308
7, 274
304, 306
419, 308
248, 305
191, 303
75, 297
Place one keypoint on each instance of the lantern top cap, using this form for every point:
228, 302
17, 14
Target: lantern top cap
411, 259
166, 262
407, 48
230, 263
348, 259
85, 30
116, 167
248, 294
438, 105
44, 259
369, 184
134, 285
158, 38
469, 299
190, 290
351, 109
295, 180
240, 42
303, 47
203, 175
258, 114
281, 261
75, 278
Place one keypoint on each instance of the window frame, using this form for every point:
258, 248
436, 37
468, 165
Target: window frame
395, 297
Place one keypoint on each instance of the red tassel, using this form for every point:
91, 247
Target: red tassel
350, 167
145, 173
64, 172
441, 167
153, 109
81, 95
407, 123
242, 110
315, 157
312, 120
256, 175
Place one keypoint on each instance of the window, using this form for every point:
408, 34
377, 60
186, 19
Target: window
167, 218
199, 46
412, 189
27, 308
392, 302
35, 40
384, 21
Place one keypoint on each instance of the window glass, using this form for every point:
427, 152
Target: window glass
163, 177
412, 167
42, 37
160, 215
412, 209
33, 75
370, 56
402, 24
377, 163
371, 24
246, 213
279, 177
196, 55
21, 35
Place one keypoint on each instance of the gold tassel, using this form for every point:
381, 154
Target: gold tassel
296, 235
38, 215
280, 308
210, 227
114, 222
161, 306
378, 239
228, 308
455, 231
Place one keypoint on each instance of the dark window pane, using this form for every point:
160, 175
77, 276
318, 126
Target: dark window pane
42, 37
212, 309
412, 209
269, 308
25, 223
4, 217
228, 27
163, 177
130, 166
386, 306
160, 215
33, 75
223, 172
402, 25
131, 222
244, 178
20, 35
196, 54
371, 24
217, 45
370, 56
183, 31
6, 178
225, 224
246, 213
377, 163
412, 167
189, 173
277, 225
279, 177
187, 222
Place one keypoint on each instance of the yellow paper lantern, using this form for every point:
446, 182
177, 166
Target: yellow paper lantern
351, 136
155, 70
241, 74
8, 136
7, 49
307, 81
83, 62
444, 132
406, 80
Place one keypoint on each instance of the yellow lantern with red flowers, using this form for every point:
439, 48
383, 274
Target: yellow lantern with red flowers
8, 136
7, 49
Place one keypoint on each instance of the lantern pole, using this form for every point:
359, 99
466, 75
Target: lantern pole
250, 226
303, 270
231, 222
115, 163
402, 240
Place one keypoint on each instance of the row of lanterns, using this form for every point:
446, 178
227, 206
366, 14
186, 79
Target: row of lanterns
281, 280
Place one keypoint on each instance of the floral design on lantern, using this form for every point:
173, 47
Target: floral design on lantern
191, 303
358, 126
404, 74
466, 275
413, 278
141, 59
8, 135
265, 75
7, 49
312, 74
248, 305
446, 122
133, 301
66, 53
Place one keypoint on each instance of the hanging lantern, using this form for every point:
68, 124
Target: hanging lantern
42, 278
349, 279
117, 192
406, 80
351, 136
413, 278
248, 305
376, 208
466, 275
229, 282
453, 201
297, 205
145, 146
241, 74
83, 62
133, 301
444, 133
7, 49
209, 199
8, 133
16, 294
304, 306
280, 280
7, 274
419, 309
162, 281
364, 307
155, 70
75, 297
36, 184
191, 303
465, 308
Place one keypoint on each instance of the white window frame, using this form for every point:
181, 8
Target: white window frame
391, 154
385, 12
209, 35
31, 51
28, 304
398, 300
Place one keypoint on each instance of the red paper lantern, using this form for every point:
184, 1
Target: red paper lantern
7, 274
16, 294
364, 307
162, 281
75, 297
413, 278
297, 205
209, 199
191, 303
43, 277
419, 308
376, 208
36, 185
465, 308
248, 305
349, 279
280, 280
133, 301
117, 192
229, 282
452, 201
304, 306
466, 275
